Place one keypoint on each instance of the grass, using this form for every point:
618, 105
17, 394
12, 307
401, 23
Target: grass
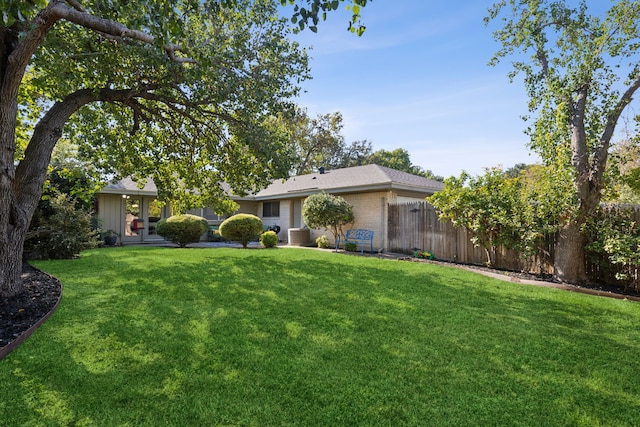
202, 337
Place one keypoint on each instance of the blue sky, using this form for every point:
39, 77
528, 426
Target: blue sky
418, 79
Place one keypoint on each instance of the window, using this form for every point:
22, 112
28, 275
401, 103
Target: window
208, 213
271, 209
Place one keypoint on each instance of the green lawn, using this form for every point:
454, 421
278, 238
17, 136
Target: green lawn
202, 337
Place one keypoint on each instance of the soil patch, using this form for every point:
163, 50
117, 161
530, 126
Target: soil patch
19, 313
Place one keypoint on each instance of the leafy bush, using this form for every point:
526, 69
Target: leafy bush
322, 242
351, 246
65, 232
424, 255
327, 211
241, 228
182, 229
615, 245
269, 239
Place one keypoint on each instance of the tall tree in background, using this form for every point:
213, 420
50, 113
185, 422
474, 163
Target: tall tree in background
580, 72
177, 90
400, 159
317, 141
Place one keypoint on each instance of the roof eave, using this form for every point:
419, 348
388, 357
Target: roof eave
348, 190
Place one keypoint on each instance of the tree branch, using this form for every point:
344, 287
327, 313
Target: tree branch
601, 154
114, 29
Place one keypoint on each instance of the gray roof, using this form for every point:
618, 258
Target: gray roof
128, 186
350, 180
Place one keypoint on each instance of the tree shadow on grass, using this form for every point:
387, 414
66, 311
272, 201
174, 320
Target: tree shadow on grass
239, 338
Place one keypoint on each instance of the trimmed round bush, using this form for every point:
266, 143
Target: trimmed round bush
182, 229
269, 239
241, 228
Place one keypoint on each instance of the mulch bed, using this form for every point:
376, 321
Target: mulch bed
20, 313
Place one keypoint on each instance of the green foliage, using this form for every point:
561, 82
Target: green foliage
316, 10
424, 255
182, 229
179, 118
180, 91
317, 142
485, 205
400, 159
322, 210
580, 73
623, 186
63, 233
70, 176
242, 228
322, 242
504, 209
614, 237
351, 247
269, 239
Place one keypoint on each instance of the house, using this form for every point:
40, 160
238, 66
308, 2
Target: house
369, 189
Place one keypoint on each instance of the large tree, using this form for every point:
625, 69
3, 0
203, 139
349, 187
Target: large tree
580, 72
316, 141
400, 159
176, 90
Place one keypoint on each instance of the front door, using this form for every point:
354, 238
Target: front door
133, 223
141, 216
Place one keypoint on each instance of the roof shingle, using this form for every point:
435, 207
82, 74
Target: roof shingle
354, 179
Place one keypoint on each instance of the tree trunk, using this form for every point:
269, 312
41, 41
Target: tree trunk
569, 263
11, 267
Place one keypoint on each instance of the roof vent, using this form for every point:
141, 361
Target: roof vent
321, 170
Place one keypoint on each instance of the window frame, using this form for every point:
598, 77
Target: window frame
271, 209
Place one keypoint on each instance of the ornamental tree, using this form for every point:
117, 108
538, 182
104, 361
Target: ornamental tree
580, 72
322, 210
175, 90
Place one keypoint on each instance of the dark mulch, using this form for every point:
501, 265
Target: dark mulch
19, 313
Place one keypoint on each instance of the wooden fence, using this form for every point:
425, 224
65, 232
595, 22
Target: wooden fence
417, 226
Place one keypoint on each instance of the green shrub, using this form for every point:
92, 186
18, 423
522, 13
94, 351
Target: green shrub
66, 231
241, 228
269, 239
322, 242
182, 229
614, 245
351, 246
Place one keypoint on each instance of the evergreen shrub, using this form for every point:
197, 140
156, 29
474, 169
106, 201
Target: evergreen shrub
242, 228
182, 229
